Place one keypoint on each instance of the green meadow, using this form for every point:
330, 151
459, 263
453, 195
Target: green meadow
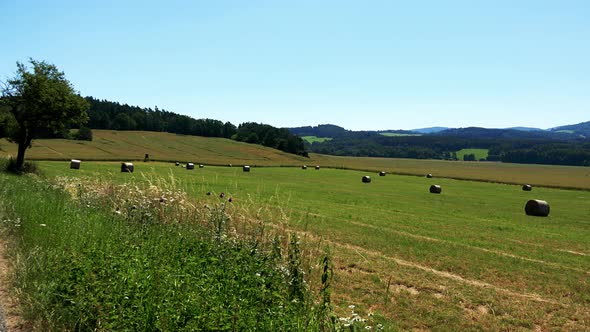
479, 153
466, 259
312, 139
390, 134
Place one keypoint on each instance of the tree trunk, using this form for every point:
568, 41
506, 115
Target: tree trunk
20, 157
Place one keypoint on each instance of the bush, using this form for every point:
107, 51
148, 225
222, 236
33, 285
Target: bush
84, 134
28, 167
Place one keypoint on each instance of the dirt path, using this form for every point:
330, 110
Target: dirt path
10, 321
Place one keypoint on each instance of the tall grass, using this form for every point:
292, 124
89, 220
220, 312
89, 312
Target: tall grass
97, 256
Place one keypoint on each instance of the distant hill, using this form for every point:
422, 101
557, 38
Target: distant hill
429, 130
526, 129
477, 132
582, 128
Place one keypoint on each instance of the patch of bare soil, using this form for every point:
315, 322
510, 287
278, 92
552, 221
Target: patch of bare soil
8, 304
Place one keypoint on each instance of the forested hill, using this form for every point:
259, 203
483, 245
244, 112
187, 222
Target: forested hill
106, 114
477, 132
582, 128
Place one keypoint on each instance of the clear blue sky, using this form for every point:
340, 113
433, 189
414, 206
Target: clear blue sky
359, 64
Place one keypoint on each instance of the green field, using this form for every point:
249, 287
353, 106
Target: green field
313, 139
479, 153
133, 145
468, 259
398, 134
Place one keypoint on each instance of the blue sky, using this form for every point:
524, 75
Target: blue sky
359, 64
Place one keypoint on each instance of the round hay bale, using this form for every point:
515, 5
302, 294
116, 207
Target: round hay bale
246, 168
429, 176
75, 164
127, 167
366, 179
190, 166
536, 207
177, 163
382, 173
304, 167
527, 187
317, 168
229, 165
201, 165
435, 189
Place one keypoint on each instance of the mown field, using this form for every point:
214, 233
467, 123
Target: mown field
467, 259
133, 145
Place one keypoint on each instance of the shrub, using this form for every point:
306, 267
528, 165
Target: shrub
84, 134
28, 167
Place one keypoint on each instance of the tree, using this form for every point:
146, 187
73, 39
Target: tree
84, 134
39, 101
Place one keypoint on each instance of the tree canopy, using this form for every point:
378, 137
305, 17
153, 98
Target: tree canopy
36, 103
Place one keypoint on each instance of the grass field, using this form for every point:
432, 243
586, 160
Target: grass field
468, 259
132, 145
479, 153
312, 139
398, 134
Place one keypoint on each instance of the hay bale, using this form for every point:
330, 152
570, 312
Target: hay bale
127, 167
246, 168
429, 176
75, 164
536, 207
527, 187
382, 173
190, 166
317, 168
366, 179
304, 167
435, 189
177, 163
229, 165
201, 165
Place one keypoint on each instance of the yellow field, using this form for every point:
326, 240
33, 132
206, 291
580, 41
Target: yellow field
133, 145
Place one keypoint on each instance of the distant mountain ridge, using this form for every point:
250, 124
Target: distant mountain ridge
429, 130
580, 130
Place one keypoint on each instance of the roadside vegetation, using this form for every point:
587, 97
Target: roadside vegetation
90, 254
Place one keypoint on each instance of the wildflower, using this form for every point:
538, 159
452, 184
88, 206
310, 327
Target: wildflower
352, 306
42, 225
368, 327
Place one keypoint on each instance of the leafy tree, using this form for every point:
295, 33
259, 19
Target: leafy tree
84, 134
39, 101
